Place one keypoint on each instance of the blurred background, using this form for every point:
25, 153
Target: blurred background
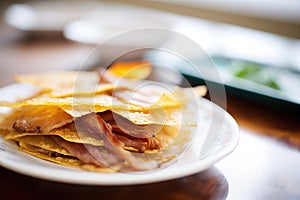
254, 44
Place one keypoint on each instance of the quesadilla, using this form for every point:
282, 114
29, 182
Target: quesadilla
100, 121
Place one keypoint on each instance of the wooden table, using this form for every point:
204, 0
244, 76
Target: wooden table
265, 164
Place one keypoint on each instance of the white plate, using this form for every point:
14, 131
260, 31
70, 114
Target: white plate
191, 162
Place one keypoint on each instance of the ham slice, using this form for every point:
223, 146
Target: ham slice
141, 138
88, 154
113, 152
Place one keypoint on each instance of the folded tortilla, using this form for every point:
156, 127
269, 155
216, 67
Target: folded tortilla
98, 126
